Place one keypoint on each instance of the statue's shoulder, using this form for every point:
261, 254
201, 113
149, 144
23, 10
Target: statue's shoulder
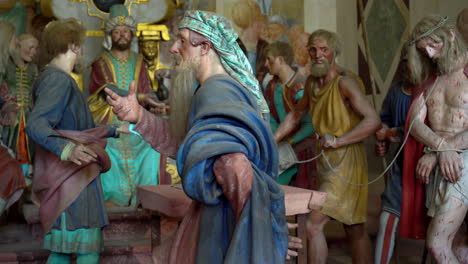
349, 76
102, 58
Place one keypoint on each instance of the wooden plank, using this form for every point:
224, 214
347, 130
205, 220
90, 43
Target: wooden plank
165, 200
171, 201
301, 201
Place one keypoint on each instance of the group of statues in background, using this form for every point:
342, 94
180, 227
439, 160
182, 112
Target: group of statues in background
137, 163
16, 78
232, 98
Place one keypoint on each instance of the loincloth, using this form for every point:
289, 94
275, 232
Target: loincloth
439, 191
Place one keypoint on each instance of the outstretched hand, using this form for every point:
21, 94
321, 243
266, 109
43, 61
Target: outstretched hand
126, 108
149, 100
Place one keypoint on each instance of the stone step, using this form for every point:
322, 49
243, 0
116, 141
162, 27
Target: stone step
127, 223
115, 251
126, 238
124, 223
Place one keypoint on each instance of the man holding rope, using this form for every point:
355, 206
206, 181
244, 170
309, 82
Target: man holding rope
437, 47
342, 117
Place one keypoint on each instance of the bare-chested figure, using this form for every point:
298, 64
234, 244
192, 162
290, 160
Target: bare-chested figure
440, 117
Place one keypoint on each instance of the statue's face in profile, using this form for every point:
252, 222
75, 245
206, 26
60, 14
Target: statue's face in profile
149, 49
28, 48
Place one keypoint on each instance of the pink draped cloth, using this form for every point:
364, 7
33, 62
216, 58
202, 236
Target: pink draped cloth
58, 183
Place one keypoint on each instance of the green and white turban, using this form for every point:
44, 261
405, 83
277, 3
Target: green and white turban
219, 31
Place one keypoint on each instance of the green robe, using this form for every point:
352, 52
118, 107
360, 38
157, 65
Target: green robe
18, 83
134, 161
281, 100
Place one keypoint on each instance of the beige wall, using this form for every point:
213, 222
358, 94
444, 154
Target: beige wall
421, 8
338, 16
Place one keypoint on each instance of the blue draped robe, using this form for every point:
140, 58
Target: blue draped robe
225, 119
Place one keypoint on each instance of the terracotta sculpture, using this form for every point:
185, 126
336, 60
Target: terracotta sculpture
68, 159
298, 39
227, 159
247, 16
393, 115
282, 95
134, 162
439, 116
149, 38
20, 75
275, 29
342, 117
12, 183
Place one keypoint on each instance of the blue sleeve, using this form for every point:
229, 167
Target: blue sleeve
386, 112
51, 97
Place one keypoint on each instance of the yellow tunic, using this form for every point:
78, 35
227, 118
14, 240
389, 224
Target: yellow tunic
345, 203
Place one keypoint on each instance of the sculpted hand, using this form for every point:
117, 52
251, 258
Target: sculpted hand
328, 141
294, 243
451, 165
380, 135
8, 114
381, 148
163, 73
126, 108
148, 100
425, 166
82, 155
124, 128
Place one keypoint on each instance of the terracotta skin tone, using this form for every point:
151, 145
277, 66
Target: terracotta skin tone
446, 108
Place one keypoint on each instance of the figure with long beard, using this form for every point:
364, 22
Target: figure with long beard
69, 152
226, 154
342, 117
439, 118
134, 162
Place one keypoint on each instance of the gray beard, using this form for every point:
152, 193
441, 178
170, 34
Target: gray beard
319, 71
183, 80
